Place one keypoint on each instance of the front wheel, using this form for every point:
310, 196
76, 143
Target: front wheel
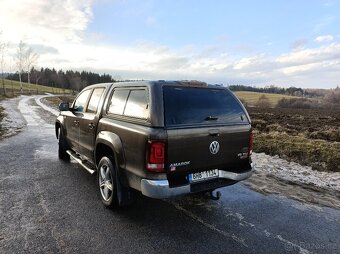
62, 146
107, 181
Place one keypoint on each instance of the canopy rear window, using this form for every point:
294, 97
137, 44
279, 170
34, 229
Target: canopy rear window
201, 106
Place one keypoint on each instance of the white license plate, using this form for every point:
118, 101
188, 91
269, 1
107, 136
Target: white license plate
204, 175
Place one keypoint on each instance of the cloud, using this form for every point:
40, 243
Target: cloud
152, 61
324, 38
57, 30
39, 21
42, 49
311, 55
246, 63
172, 63
300, 43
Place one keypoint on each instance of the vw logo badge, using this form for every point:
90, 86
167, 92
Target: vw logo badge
214, 147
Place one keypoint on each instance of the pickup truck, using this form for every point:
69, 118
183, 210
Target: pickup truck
161, 138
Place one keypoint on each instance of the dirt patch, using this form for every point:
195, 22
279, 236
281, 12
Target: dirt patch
311, 123
308, 136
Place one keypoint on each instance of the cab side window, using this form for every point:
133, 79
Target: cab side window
94, 100
130, 102
118, 101
137, 104
80, 103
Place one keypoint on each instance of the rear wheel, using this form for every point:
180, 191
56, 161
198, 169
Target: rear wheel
62, 146
107, 181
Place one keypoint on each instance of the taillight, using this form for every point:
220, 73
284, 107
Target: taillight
251, 143
156, 156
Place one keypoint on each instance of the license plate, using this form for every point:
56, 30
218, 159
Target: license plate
204, 175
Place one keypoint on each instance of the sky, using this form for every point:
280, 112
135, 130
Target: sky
258, 43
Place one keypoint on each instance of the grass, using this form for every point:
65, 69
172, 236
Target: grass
319, 154
251, 98
13, 89
2, 115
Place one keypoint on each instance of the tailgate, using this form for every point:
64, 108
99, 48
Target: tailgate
199, 149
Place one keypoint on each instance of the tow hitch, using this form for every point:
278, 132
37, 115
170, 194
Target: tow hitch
215, 197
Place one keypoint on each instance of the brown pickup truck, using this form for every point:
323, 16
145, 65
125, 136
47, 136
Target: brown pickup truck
162, 138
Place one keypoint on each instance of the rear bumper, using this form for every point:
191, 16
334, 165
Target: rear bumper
161, 189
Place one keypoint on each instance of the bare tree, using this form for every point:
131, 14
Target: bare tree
37, 76
30, 59
25, 59
3, 48
20, 59
11, 68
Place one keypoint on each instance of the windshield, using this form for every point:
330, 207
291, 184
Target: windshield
201, 106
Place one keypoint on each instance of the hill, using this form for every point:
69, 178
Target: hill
251, 98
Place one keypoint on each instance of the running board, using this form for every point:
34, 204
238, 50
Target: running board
82, 163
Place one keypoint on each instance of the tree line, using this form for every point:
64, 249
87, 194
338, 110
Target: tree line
68, 79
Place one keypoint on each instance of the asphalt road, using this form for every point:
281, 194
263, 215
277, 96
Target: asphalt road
50, 206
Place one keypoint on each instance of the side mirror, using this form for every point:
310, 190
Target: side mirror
64, 106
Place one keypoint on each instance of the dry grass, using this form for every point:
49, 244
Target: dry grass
13, 89
251, 98
2, 115
319, 154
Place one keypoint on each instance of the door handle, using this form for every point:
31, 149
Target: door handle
91, 126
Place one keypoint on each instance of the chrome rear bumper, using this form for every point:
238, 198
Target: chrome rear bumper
161, 189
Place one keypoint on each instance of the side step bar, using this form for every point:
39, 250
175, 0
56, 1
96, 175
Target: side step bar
81, 162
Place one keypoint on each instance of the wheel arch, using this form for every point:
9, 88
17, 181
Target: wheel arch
108, 143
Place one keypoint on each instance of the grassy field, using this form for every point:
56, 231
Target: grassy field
13, 89
251, 98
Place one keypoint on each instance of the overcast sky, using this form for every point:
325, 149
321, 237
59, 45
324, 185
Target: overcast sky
283, 43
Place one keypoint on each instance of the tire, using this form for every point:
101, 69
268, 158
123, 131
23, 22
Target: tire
108, 182
62, 146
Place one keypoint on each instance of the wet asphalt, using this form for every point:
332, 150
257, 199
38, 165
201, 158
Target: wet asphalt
50, 206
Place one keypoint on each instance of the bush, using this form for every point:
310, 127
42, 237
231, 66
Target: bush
295, 103
334, 97
263, 102
245, 104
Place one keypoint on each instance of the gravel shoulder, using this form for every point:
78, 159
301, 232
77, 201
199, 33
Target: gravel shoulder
273, 175
13, 122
